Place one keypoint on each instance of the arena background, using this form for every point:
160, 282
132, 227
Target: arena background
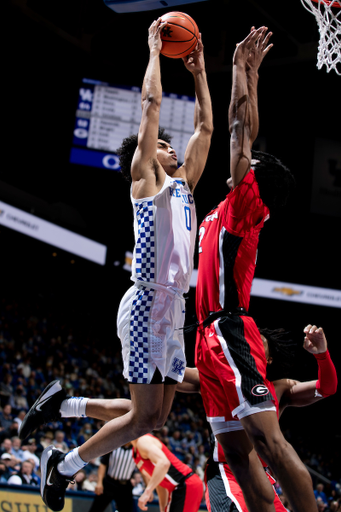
49, 47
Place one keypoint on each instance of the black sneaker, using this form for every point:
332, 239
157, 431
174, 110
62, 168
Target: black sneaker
53, 485
45, 409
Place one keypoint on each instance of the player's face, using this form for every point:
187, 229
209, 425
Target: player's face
166, 156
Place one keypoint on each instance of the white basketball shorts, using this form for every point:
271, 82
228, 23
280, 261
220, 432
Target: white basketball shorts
150, 324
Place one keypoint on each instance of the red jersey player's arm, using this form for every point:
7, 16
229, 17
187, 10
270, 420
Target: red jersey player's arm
255, 58
151, 448
298, 394
243, 110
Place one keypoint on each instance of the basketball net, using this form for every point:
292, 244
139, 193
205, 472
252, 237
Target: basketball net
328, 17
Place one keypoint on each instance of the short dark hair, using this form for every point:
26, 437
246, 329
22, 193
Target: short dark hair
127, 149
282, 349
275, 181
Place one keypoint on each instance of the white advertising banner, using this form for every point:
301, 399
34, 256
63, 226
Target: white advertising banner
52, 234
290, 292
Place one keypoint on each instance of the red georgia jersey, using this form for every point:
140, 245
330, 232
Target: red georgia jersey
228, 241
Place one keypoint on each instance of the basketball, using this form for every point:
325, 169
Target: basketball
180, 35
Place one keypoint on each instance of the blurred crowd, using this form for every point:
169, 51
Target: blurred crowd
37, 347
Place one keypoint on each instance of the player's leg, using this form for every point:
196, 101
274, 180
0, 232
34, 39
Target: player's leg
221, 489
264, 432
57, 468
142, 418
248, 471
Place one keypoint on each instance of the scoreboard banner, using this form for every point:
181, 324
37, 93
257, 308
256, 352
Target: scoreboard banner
106, 114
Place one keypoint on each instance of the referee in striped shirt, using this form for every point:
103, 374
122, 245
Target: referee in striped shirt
114, 474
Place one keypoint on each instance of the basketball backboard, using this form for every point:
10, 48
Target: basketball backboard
122, 6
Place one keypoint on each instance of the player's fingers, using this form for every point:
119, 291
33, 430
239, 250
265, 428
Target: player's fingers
267, 49
307, 328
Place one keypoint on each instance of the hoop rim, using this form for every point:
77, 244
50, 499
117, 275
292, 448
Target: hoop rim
335, 3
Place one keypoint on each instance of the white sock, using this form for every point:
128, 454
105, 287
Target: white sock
74, 407
71, 464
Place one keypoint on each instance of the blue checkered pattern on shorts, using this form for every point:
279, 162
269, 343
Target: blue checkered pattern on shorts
139, 346
145, 243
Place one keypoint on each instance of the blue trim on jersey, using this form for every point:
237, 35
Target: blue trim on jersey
145, 243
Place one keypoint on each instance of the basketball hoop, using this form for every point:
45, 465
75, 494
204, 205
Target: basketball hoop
328, 17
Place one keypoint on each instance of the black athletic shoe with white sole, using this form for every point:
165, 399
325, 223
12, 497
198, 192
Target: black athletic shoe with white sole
53, 485
45, 409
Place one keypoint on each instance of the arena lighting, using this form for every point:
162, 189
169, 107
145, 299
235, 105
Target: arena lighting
50, 233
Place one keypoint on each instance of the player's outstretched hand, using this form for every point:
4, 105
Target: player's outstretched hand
154, 35
254, 48
315, 340
195, 62
259, 50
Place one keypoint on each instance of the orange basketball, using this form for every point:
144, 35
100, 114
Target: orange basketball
179, 36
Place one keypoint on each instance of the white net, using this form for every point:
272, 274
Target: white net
328, 17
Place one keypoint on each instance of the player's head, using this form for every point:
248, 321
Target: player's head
127, 149
275, 181
280, 351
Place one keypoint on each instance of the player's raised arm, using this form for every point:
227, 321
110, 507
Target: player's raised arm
300, 394
199, 144
243, 110
255, 58
145, 167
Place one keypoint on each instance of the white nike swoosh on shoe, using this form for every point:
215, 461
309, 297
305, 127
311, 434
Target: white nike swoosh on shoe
38, 408
48, 481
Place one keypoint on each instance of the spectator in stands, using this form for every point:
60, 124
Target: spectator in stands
18, 399
16, 449
29, 452
4, 473
11, 463
176, 445
19, 417
6, 418
319, 493
78, 481
90, 483
137, 483
24, 476
6, 391
85, 433
59, 441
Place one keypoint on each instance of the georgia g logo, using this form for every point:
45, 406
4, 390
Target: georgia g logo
260, 390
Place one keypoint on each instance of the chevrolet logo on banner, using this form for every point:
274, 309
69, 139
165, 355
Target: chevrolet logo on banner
287, 291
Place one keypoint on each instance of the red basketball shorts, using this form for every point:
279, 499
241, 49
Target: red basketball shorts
222, 492
231, 360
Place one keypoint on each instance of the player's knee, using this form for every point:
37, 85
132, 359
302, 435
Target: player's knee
144, 424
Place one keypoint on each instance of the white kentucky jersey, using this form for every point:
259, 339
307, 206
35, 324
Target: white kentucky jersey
165, 228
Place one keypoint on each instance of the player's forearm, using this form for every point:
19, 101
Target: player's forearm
159, 473
151, 87
326, 384
252, 84
239, 104
203, 116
